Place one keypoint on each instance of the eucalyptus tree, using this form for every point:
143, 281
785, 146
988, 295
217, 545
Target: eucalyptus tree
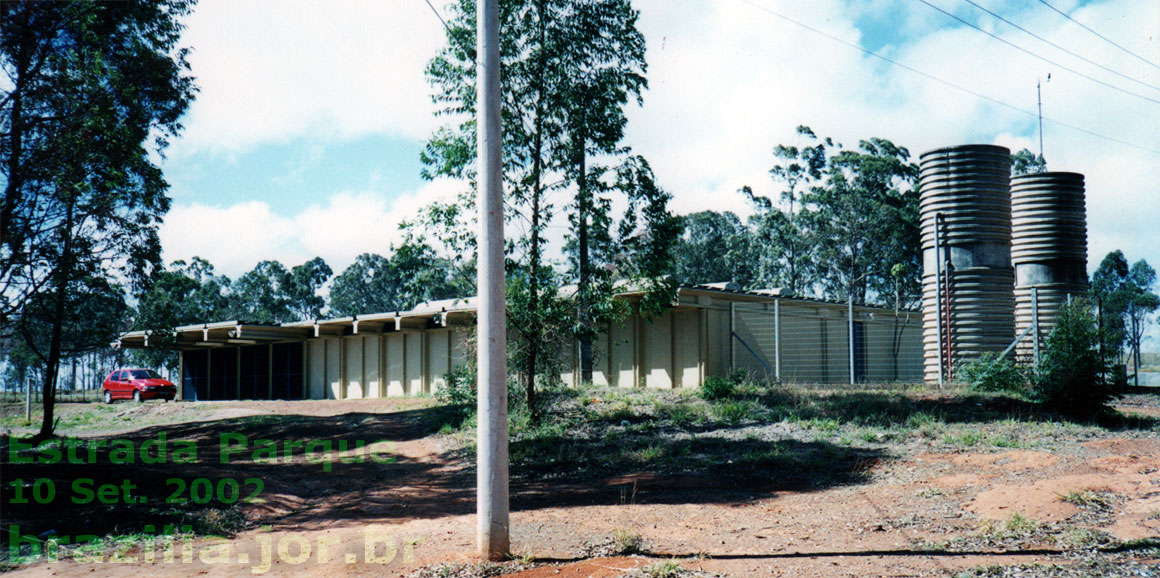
181, 294
716, 247
863, 221
1127, 299
568, 68
604, 68
530, 58
95, 90
377, 284
302, 286
785, 258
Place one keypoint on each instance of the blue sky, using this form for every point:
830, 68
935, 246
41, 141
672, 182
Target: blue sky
305, 137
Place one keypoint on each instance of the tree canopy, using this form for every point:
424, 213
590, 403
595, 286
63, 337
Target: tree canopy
568, 71
96, 89
1127, 298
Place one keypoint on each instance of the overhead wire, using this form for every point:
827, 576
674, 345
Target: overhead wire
947, 83
1036, 56
1061, 48
1101, 36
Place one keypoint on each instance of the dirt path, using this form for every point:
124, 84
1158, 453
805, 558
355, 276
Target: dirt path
919, 513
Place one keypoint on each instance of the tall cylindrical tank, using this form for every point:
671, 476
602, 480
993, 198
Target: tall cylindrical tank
970, 186
1048, 248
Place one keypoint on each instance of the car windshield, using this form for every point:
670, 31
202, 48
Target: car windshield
144, 374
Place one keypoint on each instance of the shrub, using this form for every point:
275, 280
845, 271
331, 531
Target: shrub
990, 372
459, 388
1075, 376
718, 387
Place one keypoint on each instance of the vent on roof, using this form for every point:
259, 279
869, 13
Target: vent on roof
725, 286
774, 292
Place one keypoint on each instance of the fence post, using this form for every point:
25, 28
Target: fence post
777, 338
850, 333
732, 333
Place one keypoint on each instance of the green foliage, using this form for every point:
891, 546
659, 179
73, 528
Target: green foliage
1074, 374
715, 247
377, 284
718, 387
992, 372
459, 389
271, 294
845, 223
734, 412
568, 71
1127, 298
1026, 162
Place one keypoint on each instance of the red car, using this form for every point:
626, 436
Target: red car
138, 385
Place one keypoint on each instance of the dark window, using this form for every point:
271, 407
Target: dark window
145, 374
193, 376
223, 374
255, 372
287, 378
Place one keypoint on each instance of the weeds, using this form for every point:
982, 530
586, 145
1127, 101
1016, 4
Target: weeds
667, 569
734, 412
1088, 499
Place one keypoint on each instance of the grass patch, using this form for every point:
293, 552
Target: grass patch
734, 412
1088, 499
1016, 527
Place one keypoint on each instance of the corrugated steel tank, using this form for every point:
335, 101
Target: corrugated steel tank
1048, 247
970, 186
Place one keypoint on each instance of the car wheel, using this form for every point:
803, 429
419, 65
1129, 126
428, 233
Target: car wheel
108, 396
137, 396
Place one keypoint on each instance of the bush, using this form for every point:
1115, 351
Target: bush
990, 372
1074, 376
459, 388
718, 387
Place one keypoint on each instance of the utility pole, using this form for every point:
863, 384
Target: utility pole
492, 444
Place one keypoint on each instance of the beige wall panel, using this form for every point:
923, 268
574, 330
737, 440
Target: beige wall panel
372, 363
621, 348
687, 348
414, 363
316, 377
658, 352
718, 346
353, 354
600, 360
438, 359
333, 369
396, 365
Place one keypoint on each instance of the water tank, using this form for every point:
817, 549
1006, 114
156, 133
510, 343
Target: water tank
970, 186
1048, 247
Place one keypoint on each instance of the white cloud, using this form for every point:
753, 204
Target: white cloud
729, 81
236, 237
272, 70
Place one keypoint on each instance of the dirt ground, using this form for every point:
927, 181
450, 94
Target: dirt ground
926, 509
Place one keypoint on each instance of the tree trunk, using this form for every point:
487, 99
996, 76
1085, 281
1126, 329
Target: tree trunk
534, 332
584, 285
52, 365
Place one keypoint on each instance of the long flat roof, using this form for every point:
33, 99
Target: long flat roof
427, 315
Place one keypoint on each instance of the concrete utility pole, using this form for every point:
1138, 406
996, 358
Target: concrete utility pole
492, 444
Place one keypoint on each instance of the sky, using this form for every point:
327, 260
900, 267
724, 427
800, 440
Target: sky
305, 136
